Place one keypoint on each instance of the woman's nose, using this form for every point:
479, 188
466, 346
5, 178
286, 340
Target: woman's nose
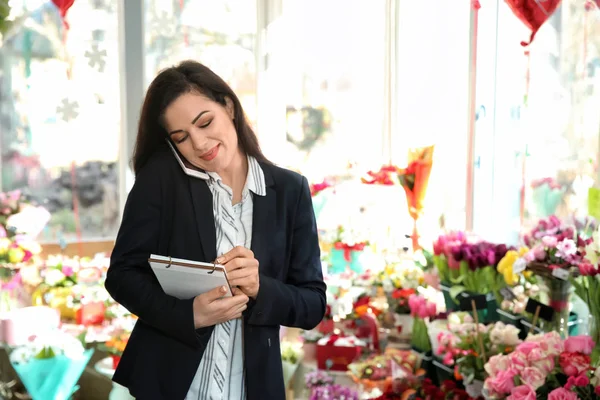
198, 141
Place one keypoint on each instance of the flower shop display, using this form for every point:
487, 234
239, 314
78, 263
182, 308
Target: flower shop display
347, 249
557, 252
376, 373
467, 346
547, 194
422, 311
470, 265
321, 386
50, 365
544, 366
335, 352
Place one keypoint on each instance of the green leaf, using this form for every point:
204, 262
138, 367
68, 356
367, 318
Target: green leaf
455, 291
45, 353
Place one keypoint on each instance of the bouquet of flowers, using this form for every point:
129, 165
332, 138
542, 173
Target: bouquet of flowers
414, 180
322, 387
421, 310
348, 244
544, 366
461, 346
445, 264
554, 247
50, 366
469, 265
377, 372
547, 195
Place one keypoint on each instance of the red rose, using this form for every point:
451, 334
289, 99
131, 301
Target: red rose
574, 364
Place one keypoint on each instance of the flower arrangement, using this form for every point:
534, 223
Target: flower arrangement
421, 310
554, 247
469, 265
399, 300
291, 354
50, 365
460, 346
322, 387
522, 294
377, 372
544, 366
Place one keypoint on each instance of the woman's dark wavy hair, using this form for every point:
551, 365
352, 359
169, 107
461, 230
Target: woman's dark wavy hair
169, 84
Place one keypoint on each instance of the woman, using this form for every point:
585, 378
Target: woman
205, 192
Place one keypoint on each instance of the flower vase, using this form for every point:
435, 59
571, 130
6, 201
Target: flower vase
559, 292
591, 327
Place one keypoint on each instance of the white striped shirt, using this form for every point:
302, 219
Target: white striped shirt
220, 374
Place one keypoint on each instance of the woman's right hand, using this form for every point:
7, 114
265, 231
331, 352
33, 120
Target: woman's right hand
212, 308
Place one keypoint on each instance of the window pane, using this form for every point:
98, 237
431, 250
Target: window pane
218, 33
550, 131
60, 115
332, 80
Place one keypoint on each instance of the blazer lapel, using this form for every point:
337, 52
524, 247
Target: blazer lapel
205, 220
263, 219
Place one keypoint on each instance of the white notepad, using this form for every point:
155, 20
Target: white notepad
187, 279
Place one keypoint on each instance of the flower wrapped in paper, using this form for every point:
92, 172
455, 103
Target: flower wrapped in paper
50, 366
415, 179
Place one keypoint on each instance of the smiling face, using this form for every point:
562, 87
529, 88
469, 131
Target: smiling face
203, 131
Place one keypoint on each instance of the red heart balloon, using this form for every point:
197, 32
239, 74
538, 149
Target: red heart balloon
63, 6
533, 13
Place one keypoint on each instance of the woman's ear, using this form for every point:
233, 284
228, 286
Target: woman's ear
230, 107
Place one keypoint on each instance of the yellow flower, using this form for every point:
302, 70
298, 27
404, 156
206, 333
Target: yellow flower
16, 255
505, 266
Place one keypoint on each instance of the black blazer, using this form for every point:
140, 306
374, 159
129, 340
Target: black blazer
169, 213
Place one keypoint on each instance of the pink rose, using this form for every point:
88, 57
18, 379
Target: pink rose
549, 241
562, 394
546, 365
504, 381
518, 360
581, 381
539, 253
527, 347
497, 363
522, 392
579, 344
533, 377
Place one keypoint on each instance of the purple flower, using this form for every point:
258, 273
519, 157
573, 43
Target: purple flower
333, 392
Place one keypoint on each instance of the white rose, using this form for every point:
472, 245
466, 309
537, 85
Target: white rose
54, 277
507, 335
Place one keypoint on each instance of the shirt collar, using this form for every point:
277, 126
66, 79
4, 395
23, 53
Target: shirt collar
255, 180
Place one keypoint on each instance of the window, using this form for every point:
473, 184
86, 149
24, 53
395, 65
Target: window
547, 127
59, 118
221, 34
332, 62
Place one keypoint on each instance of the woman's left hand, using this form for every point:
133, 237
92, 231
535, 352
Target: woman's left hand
242, 270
